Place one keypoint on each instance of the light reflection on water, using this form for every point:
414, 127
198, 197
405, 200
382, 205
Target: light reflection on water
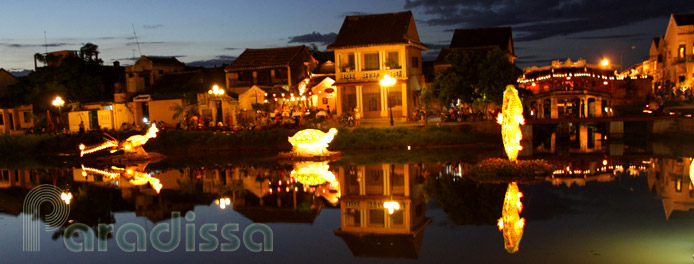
593, 209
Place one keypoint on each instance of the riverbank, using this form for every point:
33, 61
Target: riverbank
179, 141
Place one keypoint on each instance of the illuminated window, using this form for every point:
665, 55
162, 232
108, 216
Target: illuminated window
352, 217
678, 185
347, 62
371, 61
397, 218
377, 218
393, 60
680, 51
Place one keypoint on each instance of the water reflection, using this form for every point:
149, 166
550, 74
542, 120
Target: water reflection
511, 224
382, 210
671, 179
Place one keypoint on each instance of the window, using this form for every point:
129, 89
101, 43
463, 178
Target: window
2, 119
680, 51
347, 62
681, 78
352, 217
371, 62
395, 98
397, 218
415, 62
376, 217
130, 75
393, 60
660, 58
27, 117
325, 100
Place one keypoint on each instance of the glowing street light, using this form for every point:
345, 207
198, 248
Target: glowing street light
66, 197
387, 81
605, 62
58, 102
216, 91
223, 202
391, 206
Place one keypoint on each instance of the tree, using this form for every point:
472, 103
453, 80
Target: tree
90, 53
475, 76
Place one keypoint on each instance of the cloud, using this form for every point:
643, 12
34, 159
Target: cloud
314, 37
215, 62
144, 43
17, 45
436, 46
353, 13
231, 48
539, 19
620, 36
152, 26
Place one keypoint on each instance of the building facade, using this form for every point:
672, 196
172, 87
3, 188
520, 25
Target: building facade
368, 48
13, 119
569, 89
671, 56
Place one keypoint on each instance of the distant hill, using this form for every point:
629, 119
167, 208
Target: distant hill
19, 73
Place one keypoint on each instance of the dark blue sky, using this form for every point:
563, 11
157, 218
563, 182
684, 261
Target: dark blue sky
209, 32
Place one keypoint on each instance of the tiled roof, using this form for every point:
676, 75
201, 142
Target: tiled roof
483, 37
684, 19
265, 58
376, 29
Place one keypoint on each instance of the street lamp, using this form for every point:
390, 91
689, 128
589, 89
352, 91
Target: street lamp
58, 102
387, 81
217, 92
605, 62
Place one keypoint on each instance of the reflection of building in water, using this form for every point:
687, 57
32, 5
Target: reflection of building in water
367, 227
26, 179
265, 194
669, 177
568, 138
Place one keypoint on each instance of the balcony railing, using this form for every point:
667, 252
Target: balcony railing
361, 76
688, 58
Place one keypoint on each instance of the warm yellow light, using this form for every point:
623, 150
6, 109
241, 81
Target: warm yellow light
313, 173
510, 119
605, 62
66, 197
216, 90
510, 223
391, 206
223, 202
312, 142
58, 101
131, 145
387, 80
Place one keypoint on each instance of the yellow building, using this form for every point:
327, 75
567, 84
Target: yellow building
147, 70
366, 49
382, 211
13, 119
671, 57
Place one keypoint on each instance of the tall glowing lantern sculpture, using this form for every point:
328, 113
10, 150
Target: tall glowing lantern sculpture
511, 224
510, 119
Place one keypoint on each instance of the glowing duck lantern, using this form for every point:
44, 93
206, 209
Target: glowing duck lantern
510, 223
313, 173
132, 145
510, 119
312, 142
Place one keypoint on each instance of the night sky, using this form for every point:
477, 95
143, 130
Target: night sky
214, 32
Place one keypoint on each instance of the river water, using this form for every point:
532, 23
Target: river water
612, 204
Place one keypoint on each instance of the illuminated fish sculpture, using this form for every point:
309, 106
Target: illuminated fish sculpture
132, 145
510, 119
312, 142
313, 173
133, 174
511, 224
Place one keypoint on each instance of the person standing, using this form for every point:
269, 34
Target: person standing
81, 126
357, 116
